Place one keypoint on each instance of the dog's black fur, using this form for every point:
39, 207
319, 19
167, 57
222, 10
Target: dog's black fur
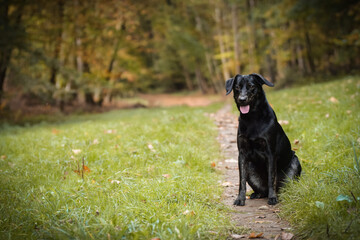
266, 160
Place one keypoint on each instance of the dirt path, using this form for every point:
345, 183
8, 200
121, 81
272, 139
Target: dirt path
261, 218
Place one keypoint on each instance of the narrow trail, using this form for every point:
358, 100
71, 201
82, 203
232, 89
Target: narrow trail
262, 219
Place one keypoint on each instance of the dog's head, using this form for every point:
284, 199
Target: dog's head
247, 89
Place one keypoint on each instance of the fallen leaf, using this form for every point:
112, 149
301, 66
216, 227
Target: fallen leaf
3, 157
226, 184
115, 181
213, 164
254, 235
188, 212
76, 151
283, 122
156, 238
237, 236
166, 175
319, 204
151, 148
110, 131
264, 207
296, 141
286, 236
261, 222
333, 100
55, 131
86, 169
348, 111
93, 181
231, 160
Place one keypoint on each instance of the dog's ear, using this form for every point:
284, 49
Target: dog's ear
229, 85
261, 79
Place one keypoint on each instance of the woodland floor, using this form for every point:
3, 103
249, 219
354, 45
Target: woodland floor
262, 219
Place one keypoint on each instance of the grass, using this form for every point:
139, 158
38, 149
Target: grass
325, 120
145, 173
131, 174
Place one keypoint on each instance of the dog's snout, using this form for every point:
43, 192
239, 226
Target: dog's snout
242, 97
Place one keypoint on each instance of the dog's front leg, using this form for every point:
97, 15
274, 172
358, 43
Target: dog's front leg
240, 200
271, 167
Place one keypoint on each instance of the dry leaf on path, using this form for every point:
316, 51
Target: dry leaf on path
237, 236
254, 235
264, 207
286, 236
231, 160
227, 184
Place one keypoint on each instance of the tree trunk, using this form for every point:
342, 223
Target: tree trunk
271, 68
108, 95
216, 82
300, 59
236, 38
250, 4
309, 52
189, 84
58, 41
201, 81
5, 51
226, 73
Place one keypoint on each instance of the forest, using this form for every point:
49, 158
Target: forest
90, 52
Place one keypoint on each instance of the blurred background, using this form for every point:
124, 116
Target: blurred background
92, 54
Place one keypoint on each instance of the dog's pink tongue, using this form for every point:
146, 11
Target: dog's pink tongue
245, 109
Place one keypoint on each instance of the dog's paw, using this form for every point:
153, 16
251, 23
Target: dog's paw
272, 201
239, 202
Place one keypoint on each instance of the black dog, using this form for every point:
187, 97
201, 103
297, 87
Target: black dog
266, 160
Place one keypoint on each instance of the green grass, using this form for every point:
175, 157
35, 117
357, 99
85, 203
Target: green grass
169, 190
133, 190
325, 118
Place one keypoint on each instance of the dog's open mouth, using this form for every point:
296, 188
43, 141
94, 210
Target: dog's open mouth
245, 109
